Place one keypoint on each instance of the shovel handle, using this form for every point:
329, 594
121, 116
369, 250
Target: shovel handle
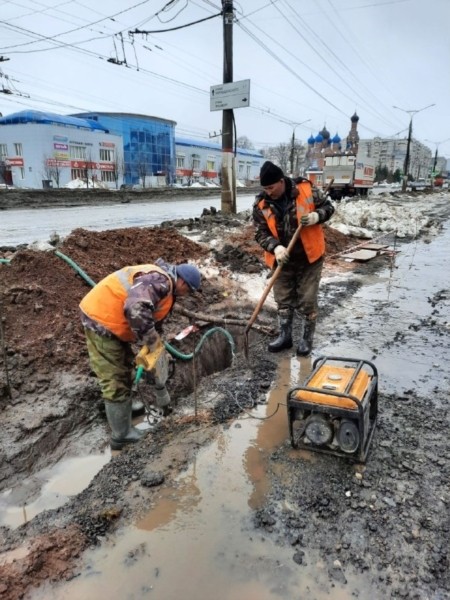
272, 281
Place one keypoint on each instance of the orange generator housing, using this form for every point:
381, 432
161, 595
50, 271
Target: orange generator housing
335, 411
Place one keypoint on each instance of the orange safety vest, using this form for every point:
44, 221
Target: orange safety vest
104, 303
312, 237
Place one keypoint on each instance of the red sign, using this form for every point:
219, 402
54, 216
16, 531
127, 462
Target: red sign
106, 166
14, 162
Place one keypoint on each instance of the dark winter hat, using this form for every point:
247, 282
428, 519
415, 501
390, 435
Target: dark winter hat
270, 174
191, 275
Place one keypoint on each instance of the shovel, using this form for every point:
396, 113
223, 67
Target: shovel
266, 291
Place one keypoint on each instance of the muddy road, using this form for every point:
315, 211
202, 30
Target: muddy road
215, 502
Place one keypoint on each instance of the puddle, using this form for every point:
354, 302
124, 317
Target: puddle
385, 321
198, 540
49, 488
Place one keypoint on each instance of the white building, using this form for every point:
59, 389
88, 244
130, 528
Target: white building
40, 149
201, 161
391, 153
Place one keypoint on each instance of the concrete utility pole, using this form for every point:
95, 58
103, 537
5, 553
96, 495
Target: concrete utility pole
294, 126
228, 204
411, 113
433, 172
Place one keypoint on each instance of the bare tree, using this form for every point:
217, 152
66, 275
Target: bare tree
88, 170
280, 155
51, 170
118, 168
142, 168
244, 142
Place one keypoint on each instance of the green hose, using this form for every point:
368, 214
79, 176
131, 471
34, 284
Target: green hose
177, 354
70, 262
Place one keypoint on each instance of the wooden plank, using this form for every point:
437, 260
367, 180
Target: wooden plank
361, 255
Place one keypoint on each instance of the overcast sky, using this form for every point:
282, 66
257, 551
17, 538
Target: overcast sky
307, 60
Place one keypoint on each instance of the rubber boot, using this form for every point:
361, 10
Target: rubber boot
305, 344
284, 339
119, 420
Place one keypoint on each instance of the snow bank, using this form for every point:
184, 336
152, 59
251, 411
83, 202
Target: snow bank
406, 215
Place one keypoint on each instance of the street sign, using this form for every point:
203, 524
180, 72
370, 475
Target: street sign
230, 95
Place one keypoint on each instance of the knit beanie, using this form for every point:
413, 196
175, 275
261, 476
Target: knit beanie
270, 174
191, 275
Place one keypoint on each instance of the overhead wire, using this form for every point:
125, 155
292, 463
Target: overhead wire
313, 45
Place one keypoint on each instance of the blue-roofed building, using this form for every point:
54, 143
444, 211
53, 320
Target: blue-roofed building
148, 146
201, 161
45, 149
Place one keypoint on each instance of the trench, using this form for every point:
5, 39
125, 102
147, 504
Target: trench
62, 457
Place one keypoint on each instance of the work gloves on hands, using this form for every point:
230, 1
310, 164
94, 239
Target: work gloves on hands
310, 219
281, 254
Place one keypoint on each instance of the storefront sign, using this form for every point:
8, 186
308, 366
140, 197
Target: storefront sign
54, 162
60, 146
14, 162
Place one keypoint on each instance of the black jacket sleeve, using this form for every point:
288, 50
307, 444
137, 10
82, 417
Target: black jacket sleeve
263, 234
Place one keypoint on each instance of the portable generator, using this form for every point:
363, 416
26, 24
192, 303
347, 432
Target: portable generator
335, 411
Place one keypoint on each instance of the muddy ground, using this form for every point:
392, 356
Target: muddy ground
50, 404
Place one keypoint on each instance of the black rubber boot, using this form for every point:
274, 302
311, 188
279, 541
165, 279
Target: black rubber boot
119, 419
305, 344
284, 339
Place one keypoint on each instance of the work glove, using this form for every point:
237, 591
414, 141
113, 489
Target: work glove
310, 219
281, 254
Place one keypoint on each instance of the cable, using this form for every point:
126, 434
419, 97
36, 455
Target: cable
137, 31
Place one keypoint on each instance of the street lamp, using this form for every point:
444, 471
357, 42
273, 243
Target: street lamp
294, 125
435, 157
411, 113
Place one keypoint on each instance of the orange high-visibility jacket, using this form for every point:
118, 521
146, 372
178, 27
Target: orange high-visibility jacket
312, 237
105, 302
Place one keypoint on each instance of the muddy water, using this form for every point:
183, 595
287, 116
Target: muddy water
198, 542
49, 488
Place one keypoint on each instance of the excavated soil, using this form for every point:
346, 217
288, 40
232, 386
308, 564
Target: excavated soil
49, 402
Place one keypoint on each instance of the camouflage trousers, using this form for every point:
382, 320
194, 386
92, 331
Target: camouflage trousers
297, 286
112, 361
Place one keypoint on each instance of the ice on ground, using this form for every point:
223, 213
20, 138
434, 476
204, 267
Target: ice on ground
407, 216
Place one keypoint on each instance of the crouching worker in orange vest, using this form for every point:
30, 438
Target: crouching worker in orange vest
128, 306
278, 210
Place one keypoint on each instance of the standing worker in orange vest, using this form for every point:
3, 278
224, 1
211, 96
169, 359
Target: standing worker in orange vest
128, 306
278, 210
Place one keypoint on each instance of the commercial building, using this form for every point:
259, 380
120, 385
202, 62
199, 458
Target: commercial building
148, 146
39, 149
201, 161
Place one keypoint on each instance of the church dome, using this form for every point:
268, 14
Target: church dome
318, 138
336, 139
354, 118
325, 133
311, 139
